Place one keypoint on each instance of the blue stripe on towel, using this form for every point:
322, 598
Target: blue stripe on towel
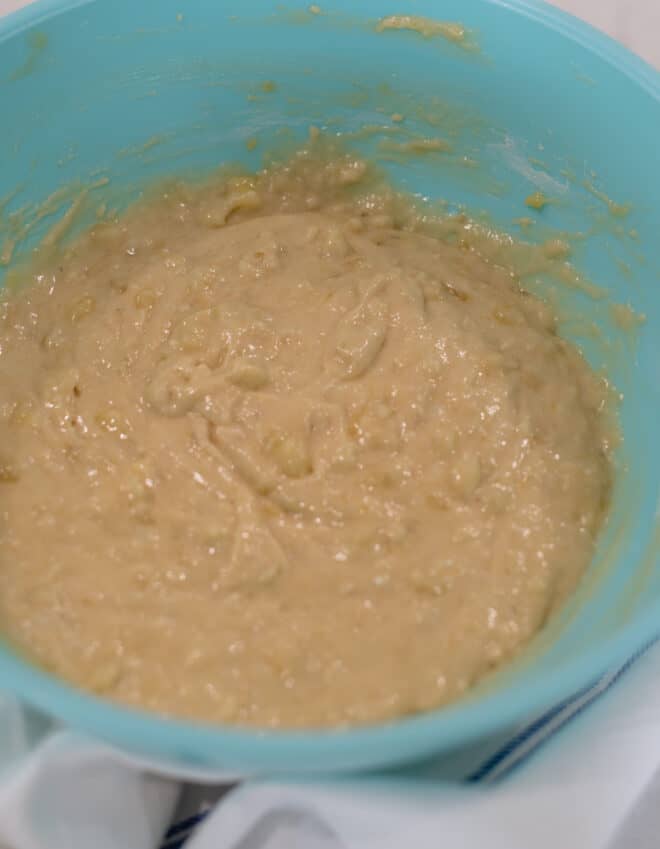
185, 825
531, 737
179, 832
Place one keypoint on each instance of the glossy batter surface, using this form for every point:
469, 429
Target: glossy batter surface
270, 458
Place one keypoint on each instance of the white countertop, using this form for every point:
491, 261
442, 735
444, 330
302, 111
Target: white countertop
634, 22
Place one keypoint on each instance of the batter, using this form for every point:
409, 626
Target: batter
272, 456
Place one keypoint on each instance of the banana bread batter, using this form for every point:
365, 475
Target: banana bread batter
271, 458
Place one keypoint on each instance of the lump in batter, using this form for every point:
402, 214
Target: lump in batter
274, 455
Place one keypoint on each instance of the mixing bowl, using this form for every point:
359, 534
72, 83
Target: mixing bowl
113, 95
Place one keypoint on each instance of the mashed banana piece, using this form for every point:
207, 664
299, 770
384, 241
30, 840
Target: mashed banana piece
269, 458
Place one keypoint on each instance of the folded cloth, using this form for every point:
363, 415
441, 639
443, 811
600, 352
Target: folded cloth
59, 790
573, 777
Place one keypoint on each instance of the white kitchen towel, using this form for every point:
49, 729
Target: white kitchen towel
584, 774
59, 790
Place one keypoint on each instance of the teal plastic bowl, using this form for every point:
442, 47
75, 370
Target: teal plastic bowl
134, 91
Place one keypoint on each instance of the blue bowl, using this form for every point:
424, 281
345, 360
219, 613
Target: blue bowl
135, 91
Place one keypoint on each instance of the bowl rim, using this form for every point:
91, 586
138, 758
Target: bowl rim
379, 744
